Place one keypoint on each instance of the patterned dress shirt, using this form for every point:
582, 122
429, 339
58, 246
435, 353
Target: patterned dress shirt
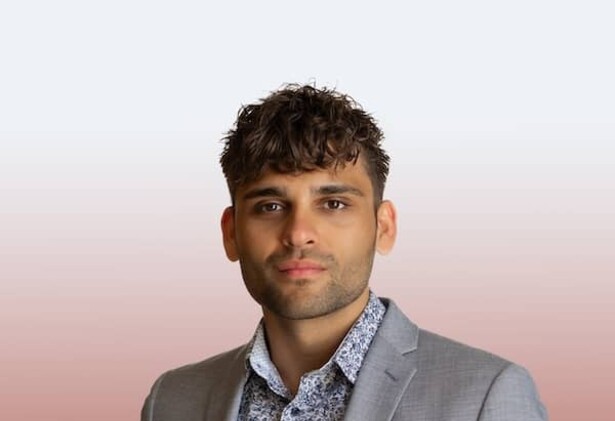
323, 394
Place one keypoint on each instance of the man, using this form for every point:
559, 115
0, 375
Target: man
306, 174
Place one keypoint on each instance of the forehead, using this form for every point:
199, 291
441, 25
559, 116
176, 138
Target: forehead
352, 175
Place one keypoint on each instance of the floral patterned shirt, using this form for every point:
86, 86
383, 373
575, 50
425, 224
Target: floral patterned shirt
323, 394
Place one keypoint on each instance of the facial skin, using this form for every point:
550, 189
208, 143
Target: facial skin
306, 242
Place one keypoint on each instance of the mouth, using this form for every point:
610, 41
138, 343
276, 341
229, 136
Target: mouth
300, 268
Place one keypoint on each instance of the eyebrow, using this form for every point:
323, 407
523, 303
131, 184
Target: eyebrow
332, 189
264, 192
326, 190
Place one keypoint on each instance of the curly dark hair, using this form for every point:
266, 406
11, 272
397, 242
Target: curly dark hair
302, 128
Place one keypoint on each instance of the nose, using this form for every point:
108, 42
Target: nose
299, 230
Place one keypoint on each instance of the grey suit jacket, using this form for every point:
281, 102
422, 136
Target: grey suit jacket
408, 374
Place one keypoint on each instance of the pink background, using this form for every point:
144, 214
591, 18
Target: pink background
499, 118
112, 268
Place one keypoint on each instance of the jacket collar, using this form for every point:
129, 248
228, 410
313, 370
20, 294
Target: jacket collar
388, 368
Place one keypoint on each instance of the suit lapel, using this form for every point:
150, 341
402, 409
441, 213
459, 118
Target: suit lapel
387, 370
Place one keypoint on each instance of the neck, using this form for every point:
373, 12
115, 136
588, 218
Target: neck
300, 346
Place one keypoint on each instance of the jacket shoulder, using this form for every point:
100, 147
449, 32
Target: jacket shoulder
186, 392
468, 382
449, 355
210, 367
451, 380
431, 351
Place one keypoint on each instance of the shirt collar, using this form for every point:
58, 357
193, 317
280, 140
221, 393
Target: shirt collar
348, 356
351, 352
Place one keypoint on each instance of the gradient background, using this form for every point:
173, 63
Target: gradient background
499, 117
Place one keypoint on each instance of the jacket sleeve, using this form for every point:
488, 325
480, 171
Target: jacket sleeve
513, 397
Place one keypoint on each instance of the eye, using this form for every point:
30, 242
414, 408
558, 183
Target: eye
334, 204
268, 207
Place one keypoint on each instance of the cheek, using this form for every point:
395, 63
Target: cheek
255, 241
356, 238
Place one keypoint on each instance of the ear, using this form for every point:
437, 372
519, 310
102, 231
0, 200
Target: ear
386, 231
228, 234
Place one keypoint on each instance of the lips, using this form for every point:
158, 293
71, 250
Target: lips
300, 268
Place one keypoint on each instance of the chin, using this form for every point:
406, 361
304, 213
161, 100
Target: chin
304, 303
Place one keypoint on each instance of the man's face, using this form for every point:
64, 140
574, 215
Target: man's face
306, 242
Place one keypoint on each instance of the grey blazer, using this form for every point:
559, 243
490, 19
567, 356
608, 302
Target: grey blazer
408, 374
